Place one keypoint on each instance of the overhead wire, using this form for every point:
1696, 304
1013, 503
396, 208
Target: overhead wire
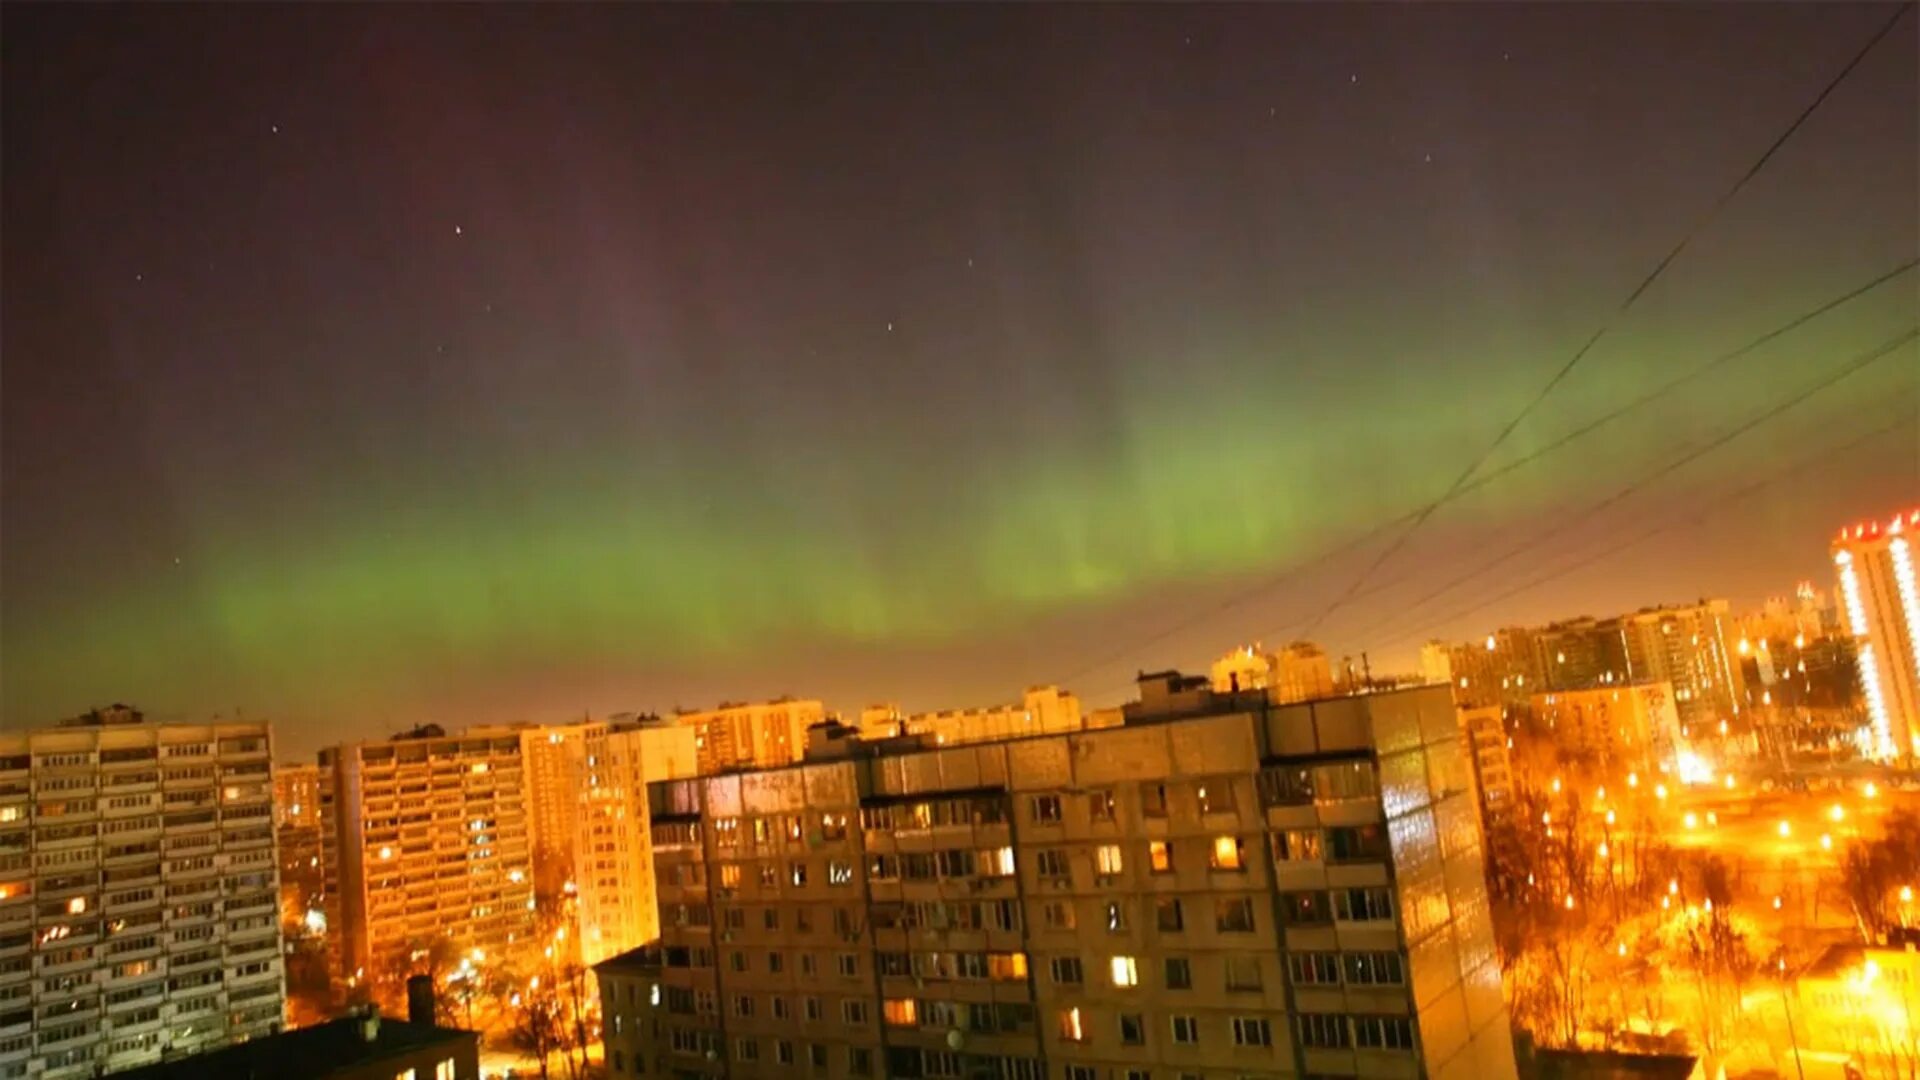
1603, 419
1773, 412
1904, 417
1572, 362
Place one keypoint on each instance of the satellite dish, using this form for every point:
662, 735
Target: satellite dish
956, 1039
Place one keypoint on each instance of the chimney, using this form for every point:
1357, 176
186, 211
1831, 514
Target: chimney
370, 1025
420, 1000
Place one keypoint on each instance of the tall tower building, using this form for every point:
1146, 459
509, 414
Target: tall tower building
1223, 886
1301, 673
744, 736
138, 896
1874, 562
296, 820
613, 842
425, 845
1691, 647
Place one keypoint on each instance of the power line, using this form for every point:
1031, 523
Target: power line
1768, 414
1484, 479
1804, 394
1580, 354
1906, 416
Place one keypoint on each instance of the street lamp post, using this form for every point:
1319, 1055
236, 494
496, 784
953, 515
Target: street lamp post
1793, 1037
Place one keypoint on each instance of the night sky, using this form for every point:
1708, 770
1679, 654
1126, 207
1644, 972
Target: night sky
372, 365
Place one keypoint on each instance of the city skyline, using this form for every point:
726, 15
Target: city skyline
346, 388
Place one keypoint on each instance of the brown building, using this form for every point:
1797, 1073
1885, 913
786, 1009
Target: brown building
1222, 887
425, 841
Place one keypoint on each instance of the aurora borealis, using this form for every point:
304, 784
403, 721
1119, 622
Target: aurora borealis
372, 365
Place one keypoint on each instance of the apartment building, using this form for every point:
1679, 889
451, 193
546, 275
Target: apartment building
424, 840
554, 769
1691, 648
137, 893
1489, 750
1636, 724
1874, 564
613, 856
296, 821
1224, 886
1040, 710
752, 736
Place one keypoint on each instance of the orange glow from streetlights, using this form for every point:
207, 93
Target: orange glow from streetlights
1786, 829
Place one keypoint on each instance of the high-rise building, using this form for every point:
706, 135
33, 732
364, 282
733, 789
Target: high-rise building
296, 820
1041, 710
1487, 743
1581, 654
137, 893
1501, 670
554, 769
743, 736
1637, 723
613, 854
1691, 648
1301, 673
1224, 885
1436, 662
425, 846
1874, 562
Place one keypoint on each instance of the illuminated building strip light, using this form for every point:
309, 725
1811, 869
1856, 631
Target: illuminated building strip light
1909, 595
1876, 707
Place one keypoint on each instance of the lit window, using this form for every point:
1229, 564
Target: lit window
1215, 798
405, 1074
1107, 859
901, 1012
1159, 857
1071, 1029
1125, 971
443, 1070
1227, 853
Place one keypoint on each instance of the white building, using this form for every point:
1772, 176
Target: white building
1874, 562
138, 893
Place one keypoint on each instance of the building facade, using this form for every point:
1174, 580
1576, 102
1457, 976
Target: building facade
296, 823
1691, 648
1874, 562
1225, 886
1041, 710
1502, 670
138, 893
748, 736
1581, 654
1638, 724
613, 857
425, 844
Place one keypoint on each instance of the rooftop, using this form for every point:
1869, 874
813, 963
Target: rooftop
312, 1053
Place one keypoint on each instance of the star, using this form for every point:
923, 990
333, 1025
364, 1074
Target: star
1353, 78
458, 231
1429, 157
889, 328
139, 277
276, 129
969, 263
